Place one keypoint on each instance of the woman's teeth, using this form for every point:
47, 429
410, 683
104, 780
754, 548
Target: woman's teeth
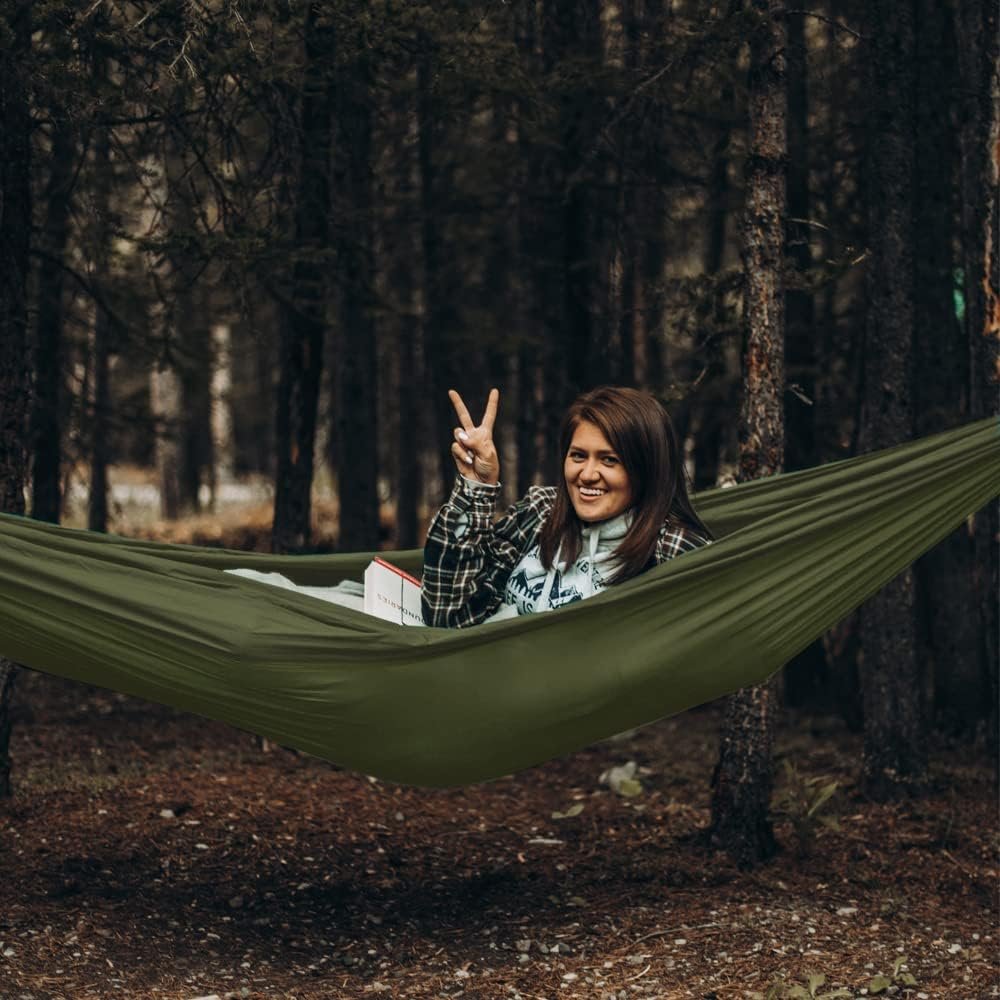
587, 492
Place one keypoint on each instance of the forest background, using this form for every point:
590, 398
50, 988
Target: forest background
247, 247
255, 243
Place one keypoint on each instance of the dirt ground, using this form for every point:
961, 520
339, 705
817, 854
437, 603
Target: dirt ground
149, 853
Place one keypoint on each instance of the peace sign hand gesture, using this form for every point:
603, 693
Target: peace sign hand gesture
475, 456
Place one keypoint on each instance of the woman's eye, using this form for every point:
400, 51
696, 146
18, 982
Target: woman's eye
610, 460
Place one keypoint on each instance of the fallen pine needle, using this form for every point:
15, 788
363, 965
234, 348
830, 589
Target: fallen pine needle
674, 930
639, 975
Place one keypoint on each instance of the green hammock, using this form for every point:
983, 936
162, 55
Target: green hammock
795, 554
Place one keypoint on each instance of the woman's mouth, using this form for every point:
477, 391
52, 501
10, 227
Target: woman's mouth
590, 492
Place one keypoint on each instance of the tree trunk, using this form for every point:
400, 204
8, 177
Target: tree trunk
709, 421
46, 409
437, 329
182, 378
948, 640
653, 250
743, 780
175, 320
531, 276
895, 759
410, 428
409, 437
623, 368
806, 676
357, 449
303, 325
977, 33
165, 403
800, 359
223, 450
570, 275
100, 424
196, 457
15, 236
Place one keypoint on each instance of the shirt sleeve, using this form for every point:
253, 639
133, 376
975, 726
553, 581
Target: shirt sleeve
676, 539
468, 557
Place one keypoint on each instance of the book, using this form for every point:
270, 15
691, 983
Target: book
392, 594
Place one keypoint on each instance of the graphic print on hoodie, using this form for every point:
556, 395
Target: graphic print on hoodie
531, 588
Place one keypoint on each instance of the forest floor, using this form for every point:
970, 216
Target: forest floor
150, 853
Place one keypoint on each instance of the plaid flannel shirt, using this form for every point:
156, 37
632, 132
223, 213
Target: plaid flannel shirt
469, 556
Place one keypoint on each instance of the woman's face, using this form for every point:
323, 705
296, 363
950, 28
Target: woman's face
598, 484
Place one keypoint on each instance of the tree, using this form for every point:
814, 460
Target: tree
895, 756
47, 402
357, 441
15, 237
99, 424
742, 781
303, 324
945, 576
977, 32
805, 676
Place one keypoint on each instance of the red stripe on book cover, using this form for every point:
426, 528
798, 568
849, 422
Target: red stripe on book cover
397, 570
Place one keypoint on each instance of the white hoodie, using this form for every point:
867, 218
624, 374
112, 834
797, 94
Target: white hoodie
530, 588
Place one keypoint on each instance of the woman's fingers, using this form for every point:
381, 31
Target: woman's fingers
462, 456
460, 408
473, 449
490, 416
466, 441
465, 418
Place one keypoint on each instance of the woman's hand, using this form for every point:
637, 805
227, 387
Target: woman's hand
473, 450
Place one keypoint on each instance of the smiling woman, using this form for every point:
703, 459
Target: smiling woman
621, 508
598, 483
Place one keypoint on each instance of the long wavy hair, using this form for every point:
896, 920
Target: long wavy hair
638, 428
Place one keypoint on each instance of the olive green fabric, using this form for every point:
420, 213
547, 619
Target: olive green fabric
794, 554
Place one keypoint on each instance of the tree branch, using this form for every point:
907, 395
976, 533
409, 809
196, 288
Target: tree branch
828, 20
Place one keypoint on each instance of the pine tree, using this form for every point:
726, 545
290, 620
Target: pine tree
895, 758
15, 235
742, 782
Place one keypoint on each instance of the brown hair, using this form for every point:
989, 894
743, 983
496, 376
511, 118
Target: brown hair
639, 429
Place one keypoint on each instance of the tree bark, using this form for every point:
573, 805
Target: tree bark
572, 33
800, 349
47, 408
895, 760
743, 778
15, 237
622, 368
99, 422
531, 275
977, 33
303, 326
948, 642
223, 450
410, 430
357, 449
165, 402
438, 310
177, 323
806, 677
708, 419
654, 200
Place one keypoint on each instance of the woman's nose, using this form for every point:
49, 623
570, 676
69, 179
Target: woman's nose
590, 472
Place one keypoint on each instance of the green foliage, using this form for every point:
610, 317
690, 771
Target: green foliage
810, 989
813, 987
879, 984
804, 800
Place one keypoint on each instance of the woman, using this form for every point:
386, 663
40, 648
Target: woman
621, 508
